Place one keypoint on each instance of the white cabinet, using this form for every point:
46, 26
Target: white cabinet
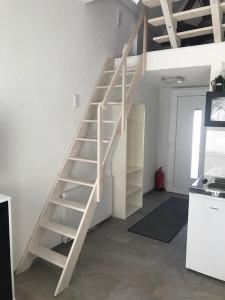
127, 165
206, 235
7, 291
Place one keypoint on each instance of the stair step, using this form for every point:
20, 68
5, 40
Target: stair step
96, 121
76, 181
106, 141
69, 204
110, 103
129, 71
82, 159
59, 228
115, 86
49, 255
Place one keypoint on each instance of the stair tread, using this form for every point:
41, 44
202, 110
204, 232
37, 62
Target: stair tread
69, 204
115, 86
49, 255
129, 71
83, 159
59, 228
77, 181
96, 121
115, 102
110, 103
92, 139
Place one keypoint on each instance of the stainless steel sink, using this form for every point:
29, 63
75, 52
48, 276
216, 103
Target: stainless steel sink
217, 186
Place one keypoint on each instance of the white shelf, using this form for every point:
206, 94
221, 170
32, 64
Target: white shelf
132, 169
131, 189
131, 209
128, 164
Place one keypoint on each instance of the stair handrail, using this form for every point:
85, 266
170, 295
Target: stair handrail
122, 67
99, 152
142, 19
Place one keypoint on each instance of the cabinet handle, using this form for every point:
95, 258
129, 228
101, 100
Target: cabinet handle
214, 208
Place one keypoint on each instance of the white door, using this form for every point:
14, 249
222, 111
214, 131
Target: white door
185, 161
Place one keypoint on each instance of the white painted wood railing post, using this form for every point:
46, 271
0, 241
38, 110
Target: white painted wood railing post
145, 39
166, 6
124, 89
217, 17
99, 153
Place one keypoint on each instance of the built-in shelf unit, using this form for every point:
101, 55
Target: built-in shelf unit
127, 165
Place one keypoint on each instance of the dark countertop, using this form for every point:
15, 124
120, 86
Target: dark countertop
200, 186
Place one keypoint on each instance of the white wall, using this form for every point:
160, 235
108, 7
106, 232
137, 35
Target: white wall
163, 127
212, 55
150, 97
50, 49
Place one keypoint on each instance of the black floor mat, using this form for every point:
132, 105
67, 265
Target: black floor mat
165, 221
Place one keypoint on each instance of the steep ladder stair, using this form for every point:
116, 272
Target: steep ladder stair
122, 80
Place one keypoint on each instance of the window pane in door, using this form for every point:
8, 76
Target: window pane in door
196, 142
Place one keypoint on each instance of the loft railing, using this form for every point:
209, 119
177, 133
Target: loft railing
216, 9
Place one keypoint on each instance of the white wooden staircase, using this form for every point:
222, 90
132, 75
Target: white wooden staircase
120, 81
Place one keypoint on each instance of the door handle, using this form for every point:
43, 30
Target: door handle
214, 208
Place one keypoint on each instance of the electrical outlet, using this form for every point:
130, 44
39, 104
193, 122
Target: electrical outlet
76, 101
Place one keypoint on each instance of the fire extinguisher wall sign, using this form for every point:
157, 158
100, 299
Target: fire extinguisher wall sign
159, 180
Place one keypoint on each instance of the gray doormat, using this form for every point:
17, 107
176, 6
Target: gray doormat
164, 223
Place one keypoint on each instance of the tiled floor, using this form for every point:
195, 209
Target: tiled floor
118, 265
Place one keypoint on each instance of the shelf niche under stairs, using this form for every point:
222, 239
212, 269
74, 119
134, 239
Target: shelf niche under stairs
128, 164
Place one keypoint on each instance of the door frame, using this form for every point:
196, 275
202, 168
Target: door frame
171, 149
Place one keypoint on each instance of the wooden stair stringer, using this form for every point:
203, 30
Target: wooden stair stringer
27, 258
90, 210
75, 250
34, 247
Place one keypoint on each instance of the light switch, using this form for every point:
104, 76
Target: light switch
76, 101
118, 18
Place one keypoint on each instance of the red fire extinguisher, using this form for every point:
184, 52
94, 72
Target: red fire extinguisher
159, 180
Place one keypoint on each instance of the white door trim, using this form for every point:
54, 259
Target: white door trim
175, 93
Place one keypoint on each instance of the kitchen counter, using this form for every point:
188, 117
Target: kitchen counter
204, 186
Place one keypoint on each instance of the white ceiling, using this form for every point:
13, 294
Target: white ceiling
194, 76
131, 4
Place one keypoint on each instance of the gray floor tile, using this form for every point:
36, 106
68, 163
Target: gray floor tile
116, 264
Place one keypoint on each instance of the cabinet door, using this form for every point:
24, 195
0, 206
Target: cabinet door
206, 236
5, 264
